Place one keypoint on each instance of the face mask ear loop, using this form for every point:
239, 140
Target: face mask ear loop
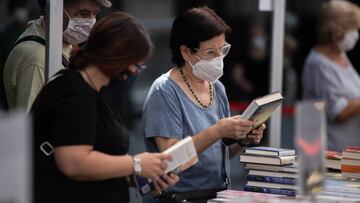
67, 14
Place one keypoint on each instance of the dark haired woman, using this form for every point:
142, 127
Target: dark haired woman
190, 101
80, 142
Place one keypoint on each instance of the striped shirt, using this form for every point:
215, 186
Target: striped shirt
323, 79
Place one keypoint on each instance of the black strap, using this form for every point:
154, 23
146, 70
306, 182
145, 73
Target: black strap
42, 41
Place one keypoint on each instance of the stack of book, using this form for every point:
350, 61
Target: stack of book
333, 160
236, 196
350, 162
271, 170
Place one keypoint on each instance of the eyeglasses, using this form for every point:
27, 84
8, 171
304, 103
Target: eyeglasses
211, 53
140, 68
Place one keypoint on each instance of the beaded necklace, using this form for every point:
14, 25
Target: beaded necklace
193, 92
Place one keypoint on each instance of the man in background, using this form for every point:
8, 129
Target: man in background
24, 71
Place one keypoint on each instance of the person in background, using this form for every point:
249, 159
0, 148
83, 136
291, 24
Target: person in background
329, 75
18, 12
24, 71
80, 143
189, 100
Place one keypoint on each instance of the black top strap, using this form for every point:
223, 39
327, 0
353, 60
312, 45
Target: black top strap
42, 41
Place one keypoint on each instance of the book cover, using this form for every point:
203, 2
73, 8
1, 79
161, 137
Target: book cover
247, 158
272, 179
270, 190
183, 155
291, 168
271, 151
260, 110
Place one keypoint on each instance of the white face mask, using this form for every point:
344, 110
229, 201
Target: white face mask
208, 70
78, 29
349, 41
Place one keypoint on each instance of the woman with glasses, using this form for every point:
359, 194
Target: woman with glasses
80, 142
189, 100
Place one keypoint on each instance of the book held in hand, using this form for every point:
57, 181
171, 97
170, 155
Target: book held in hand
183, 155
270, 151
260, 110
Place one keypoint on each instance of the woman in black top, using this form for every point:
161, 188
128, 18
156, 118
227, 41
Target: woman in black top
74, 114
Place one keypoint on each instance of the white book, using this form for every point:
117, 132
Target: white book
292, 168
247, 158
183, 155
274, 174
272, 185
260, 109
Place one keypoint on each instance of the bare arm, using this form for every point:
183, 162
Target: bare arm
81, 162
232, 127
350, 111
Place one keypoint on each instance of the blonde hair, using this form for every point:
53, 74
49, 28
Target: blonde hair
337, 17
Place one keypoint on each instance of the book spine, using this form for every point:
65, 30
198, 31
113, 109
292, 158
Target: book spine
271, 179
350, 168
270, 190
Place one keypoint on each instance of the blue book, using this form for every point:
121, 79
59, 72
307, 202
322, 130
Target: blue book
270, 151
277, 191
272, 179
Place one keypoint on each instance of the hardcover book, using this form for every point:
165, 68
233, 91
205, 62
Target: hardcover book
277, 191
271, 179
259, 110
292, 168
270, 151
247, 158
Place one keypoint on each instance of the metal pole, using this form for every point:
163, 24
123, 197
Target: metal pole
277, 55
54, 30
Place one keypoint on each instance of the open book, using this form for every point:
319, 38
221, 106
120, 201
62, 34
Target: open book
183, 155
260, 110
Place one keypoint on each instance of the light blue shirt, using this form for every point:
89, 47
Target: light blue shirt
323, 79
169, 113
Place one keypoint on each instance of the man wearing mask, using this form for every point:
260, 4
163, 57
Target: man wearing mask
25, 66
329, 75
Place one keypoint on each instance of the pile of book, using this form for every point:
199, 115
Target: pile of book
236, 196
350, 162
271, 170
333, 160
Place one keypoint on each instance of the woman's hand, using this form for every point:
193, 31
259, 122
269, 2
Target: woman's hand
153, 165
255, 136
234, 127
165, 181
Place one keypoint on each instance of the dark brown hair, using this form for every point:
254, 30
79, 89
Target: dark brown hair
116, 42
337, 17
192, 27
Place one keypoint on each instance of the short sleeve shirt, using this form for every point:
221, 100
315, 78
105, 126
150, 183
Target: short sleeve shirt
69, 112
169, 113
325, 80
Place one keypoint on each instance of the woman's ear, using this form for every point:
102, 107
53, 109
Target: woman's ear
185, 52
